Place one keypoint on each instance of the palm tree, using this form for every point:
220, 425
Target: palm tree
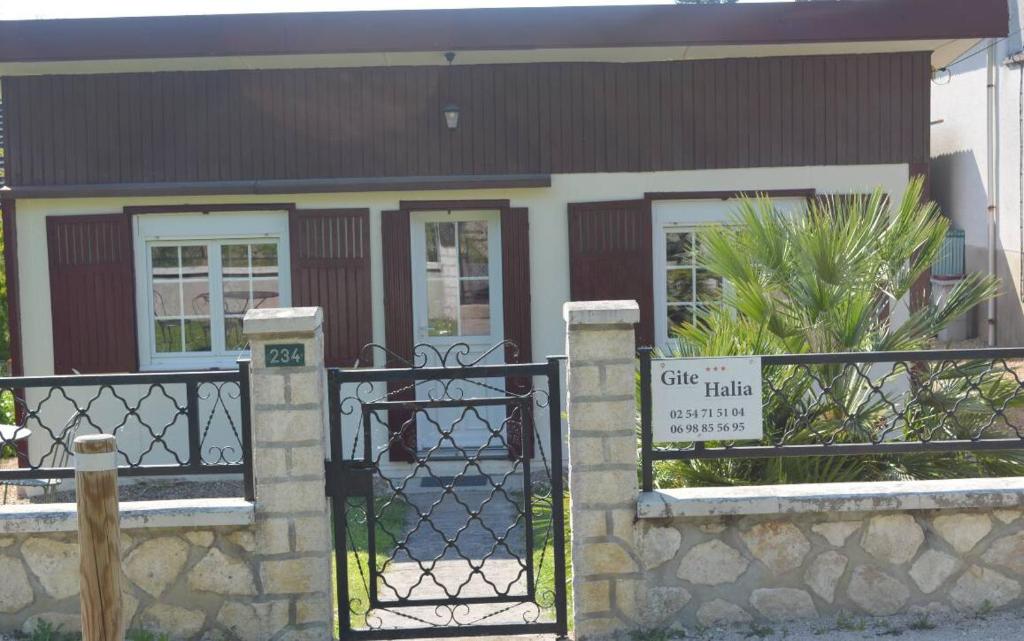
838, 277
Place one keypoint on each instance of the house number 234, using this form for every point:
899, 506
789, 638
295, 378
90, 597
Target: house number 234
286, 355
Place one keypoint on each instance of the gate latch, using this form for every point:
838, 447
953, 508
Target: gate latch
349, 479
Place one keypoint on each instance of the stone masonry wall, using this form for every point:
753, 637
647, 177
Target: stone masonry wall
602, 466
268, 581
289, 425
711, 571
190, 583
781, 553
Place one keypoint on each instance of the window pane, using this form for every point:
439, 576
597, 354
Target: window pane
264, 259
700, 314
236, 296
677, 315
680, 285
709, 286
167, 335
165, 262
235, 260
699, 248
473, 248
442, 304
265, 293
194, 262
197, 335
476, 307
432, 243
678, 248
181, 288
196, 297
440, 246
442, 280
166, 298
233, 338
445, 235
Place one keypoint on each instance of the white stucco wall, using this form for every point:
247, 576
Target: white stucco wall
548, 248
548, 231
960, 169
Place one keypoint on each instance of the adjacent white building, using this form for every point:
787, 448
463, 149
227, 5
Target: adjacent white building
960, 180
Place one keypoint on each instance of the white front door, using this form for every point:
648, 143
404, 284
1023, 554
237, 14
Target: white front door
456, 263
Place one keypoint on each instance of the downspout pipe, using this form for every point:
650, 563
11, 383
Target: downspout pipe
993, 179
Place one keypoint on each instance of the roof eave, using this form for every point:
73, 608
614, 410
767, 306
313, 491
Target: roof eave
499, 29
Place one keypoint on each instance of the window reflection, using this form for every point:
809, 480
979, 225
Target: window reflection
689, 290
181, 291
458, 279
181, 298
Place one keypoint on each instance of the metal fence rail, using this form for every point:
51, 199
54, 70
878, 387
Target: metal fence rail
167, 424
867, 403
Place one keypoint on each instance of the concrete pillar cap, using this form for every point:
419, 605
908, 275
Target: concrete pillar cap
282, 320
601, 312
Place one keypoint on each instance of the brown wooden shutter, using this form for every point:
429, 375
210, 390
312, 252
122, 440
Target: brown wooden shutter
330, 263
92, 293
515, 271
398, 327
610, 256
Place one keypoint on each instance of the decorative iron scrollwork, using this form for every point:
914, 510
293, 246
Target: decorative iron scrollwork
427, 355
460, 533
151, 412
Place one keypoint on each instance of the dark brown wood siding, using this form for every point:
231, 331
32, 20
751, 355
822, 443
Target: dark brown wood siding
330, 262
610, 256
398, 328
92, 293
515, 119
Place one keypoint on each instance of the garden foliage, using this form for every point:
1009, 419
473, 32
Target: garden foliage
840, 276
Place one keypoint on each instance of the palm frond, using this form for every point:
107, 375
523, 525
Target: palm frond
835, 277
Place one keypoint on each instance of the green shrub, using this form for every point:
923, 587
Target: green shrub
831, 279
7, 417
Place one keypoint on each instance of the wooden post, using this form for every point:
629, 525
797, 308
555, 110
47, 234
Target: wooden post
99, 537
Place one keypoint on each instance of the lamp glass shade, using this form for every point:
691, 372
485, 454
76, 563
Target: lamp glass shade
451, 115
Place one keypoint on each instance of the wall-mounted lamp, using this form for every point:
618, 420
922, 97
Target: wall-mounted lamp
451, 110
451, 115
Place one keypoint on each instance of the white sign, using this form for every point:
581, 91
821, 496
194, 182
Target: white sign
706, 399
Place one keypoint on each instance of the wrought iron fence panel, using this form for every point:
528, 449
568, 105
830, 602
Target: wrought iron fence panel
167, 424
447, 497
868, 404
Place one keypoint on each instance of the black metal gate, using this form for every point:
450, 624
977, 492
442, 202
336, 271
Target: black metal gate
448, 497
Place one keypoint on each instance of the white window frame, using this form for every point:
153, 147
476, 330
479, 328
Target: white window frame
196, 228
689, 215
695, 231
420, 264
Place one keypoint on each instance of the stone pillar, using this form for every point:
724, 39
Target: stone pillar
289, 430
603, 486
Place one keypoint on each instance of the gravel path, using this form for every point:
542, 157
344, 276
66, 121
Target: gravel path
992, 627
1004, 626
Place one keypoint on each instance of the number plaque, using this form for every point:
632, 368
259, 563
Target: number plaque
706, 399
291, 355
